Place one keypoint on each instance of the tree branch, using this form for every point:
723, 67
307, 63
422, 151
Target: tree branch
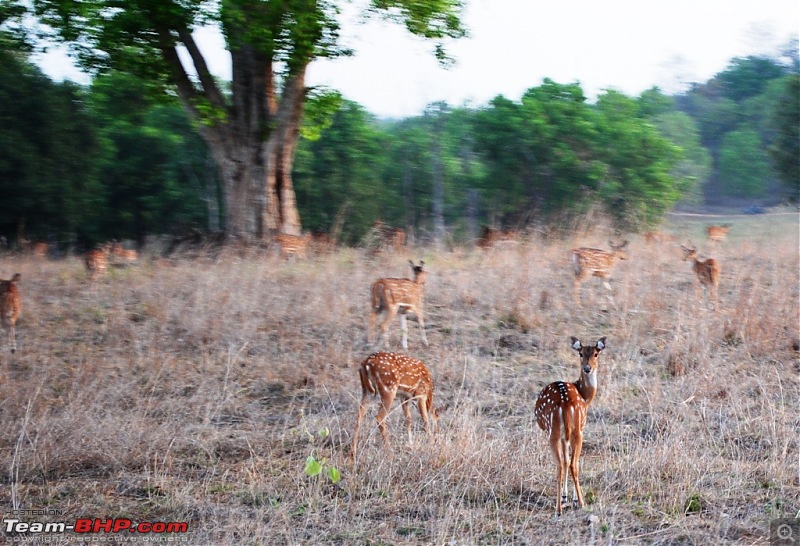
212, 92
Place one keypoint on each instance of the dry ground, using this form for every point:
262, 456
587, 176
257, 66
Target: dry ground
195, 390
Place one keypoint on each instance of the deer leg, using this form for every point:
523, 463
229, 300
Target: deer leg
362, 411
12, 336
391, 312
564, 470
387, 398
556, 446
607, 284
422, 406
577, 444
407, 416
373, 316
404, 329
421, 321
577, 291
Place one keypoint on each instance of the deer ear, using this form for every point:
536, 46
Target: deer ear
411, 263
601, 343
575, 343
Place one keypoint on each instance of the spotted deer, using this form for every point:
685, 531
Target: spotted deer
491, 237
561, 411
398, 296
122, 255
10, 308
292, 245
707, 271
96, 261
387, 238
717, 234
389, 375
593, 262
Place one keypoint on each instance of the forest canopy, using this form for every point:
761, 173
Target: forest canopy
114, 160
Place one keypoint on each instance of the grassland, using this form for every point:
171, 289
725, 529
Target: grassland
196, 389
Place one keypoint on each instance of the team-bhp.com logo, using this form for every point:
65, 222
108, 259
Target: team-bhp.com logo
16, 527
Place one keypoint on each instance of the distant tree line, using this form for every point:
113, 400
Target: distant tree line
114, 160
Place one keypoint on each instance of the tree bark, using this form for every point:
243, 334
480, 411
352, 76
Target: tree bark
252, 141
280, 213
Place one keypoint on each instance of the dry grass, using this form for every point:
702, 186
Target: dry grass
196, 392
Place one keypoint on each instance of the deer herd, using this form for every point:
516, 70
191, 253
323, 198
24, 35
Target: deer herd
560, 409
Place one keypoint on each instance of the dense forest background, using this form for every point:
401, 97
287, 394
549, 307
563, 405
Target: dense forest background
112, 160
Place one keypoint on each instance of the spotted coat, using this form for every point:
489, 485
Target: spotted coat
389, 375
398, 296
561, 411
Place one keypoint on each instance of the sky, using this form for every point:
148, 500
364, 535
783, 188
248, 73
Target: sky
627, 45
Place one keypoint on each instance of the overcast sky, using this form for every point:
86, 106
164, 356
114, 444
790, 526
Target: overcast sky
628, 45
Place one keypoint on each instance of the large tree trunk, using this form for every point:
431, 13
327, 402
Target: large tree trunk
253, 142
280, 213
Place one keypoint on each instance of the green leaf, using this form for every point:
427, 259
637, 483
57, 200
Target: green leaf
334, 474
313, 467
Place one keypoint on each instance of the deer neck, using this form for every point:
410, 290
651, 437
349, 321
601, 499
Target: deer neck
587, 386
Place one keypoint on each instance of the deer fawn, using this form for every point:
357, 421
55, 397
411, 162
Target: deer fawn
707, 271
717, 234
398, 296
561, 412
10, 308
292, 245
389, 375
588, 262
97, 261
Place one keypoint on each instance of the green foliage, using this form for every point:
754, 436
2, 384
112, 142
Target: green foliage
554, 152
155, 169
734, 111
653, 103
785, 151
639, 186
341, 169
320, 108
695, 163
747, 77
743, 164
48, 150
539, 151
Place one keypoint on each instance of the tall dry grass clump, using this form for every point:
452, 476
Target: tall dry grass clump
196, 390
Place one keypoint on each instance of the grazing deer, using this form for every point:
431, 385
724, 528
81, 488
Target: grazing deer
717, 234
122, 255
10, 308
707, 272
398, 296
389, 375
292, 245
97, 261
561, 412
491, 237
387, 237
587, 262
